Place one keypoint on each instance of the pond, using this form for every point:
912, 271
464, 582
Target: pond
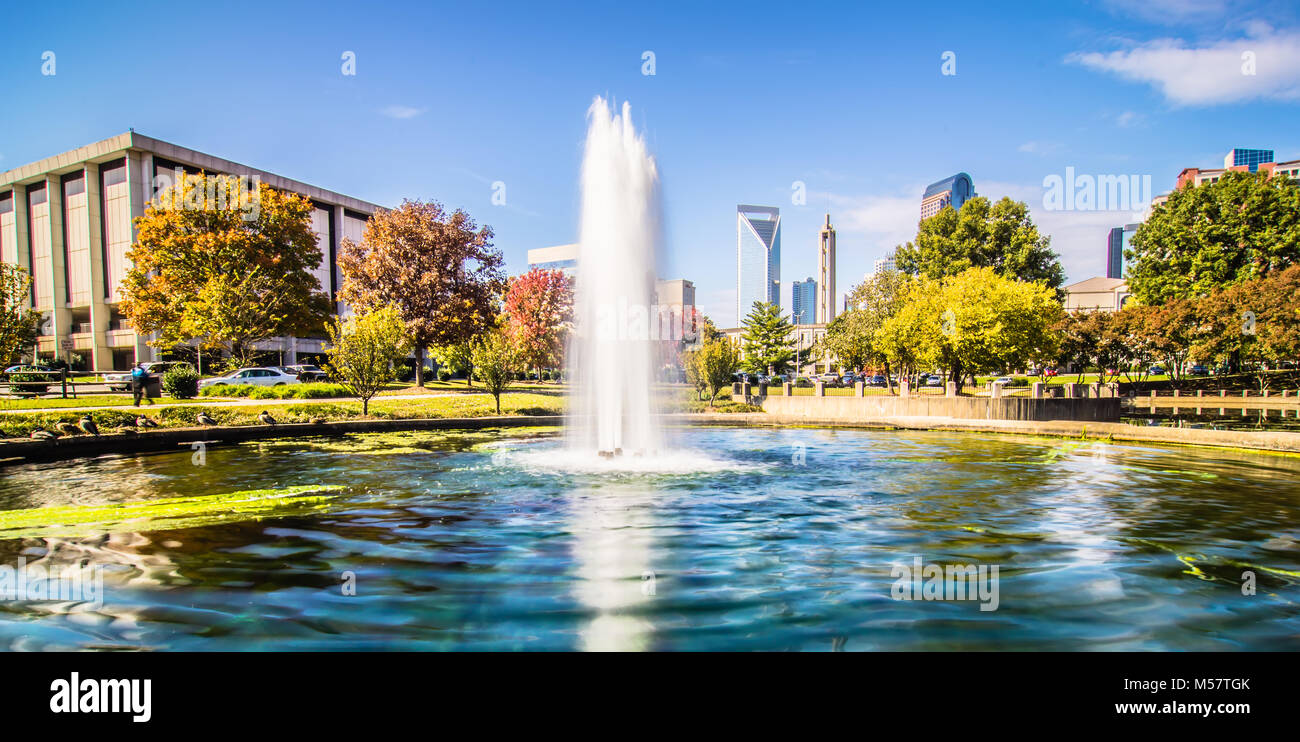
743, 539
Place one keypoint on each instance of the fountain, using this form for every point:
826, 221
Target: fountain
611, 354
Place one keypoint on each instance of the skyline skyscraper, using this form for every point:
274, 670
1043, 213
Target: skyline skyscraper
804, 301
758, 257
826, 273
952, 191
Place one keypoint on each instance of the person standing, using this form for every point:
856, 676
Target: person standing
138, 378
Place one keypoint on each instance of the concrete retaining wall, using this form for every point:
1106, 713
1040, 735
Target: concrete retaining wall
24, 450
1105, 409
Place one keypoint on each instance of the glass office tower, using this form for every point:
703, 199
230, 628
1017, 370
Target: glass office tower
758, 257
804, 302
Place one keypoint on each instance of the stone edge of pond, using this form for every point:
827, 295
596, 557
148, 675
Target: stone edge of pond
1263, 441
25, 450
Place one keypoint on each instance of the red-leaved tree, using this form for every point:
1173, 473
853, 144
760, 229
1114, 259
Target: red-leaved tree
539, 305
440, 270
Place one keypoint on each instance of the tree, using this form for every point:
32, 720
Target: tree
1207, 237
714, 363
766, 339
363, 350
1252, 325
690, 360
19, 324
206, 264
854, 336
1000, 236
232, 312
497, 360
439, 269
539, 305
458, 357
976, 322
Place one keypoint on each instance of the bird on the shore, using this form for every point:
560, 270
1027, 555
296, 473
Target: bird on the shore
204, 419
88, 425
66, 428
266, 418
144, 422
43, 435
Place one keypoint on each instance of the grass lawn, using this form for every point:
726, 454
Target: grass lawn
86, 400
297, 411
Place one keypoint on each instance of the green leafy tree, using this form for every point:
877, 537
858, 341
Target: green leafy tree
766, 339
19, 324
458, 358
977, 322
1001, 236
1207, 237
364, 349
496, 360
440, 270
855, 336
714, 364
213, 261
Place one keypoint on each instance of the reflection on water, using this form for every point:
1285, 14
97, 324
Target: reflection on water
469, 541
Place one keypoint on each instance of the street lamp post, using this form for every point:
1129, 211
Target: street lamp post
798, 342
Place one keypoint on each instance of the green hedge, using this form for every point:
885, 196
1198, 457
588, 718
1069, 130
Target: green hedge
288, 391
181, 382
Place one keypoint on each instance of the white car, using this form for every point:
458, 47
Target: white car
1003, 380
262, 376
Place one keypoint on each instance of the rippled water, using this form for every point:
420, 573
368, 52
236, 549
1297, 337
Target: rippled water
767, 539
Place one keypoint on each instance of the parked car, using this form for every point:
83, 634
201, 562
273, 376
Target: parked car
121, 382
27, 368
1198, 370
264, 376
1156, 371
803, 381
878, 380
1004, 380
305, 372
848, 380
830, 379
933, 380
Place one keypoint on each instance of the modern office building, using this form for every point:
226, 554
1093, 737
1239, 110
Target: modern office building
951, 191
826, 273
1241, 160
887, 263
1250, 159
803, 302
559, 257
68, 219
675, 298
758, 257
1117, 242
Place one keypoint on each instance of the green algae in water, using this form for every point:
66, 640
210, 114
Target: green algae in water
164, 514
398, 442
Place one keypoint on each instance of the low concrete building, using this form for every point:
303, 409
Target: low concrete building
1097, 294
68, 220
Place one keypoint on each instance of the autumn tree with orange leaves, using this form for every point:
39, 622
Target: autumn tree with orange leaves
539, 305
440, 270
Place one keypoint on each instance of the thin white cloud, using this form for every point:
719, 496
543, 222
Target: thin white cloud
1209, 74
1041, 148
402, 112
1129, 119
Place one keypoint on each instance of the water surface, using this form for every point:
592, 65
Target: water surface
754, 539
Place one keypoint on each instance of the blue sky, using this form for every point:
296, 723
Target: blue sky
747, 98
